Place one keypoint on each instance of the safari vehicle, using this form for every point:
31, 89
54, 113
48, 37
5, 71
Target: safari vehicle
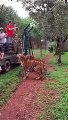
9, 58
7, 61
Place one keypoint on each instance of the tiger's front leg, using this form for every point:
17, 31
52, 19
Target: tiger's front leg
26, 74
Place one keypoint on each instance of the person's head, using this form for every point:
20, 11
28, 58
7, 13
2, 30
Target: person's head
10, 22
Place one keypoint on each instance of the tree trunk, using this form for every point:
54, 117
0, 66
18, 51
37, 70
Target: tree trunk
45, 45
59, 59
41, 52
59, 49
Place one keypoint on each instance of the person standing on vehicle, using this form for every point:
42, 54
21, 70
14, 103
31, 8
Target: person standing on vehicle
10, 29
2, 42
2, 36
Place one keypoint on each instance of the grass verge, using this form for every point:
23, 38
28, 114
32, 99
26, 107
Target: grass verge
8, 84
59, 110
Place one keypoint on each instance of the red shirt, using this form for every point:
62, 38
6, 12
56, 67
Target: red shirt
10, 30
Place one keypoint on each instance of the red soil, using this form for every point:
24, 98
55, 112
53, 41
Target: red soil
25, 104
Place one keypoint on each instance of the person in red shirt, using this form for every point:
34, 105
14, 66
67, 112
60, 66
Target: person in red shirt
10, 29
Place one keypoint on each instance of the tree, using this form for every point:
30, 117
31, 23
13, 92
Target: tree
52, 17
61, 27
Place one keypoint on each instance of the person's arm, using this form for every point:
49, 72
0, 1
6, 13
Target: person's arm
14, 28
11, 28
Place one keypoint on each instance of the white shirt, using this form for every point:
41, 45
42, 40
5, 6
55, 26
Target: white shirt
2, 37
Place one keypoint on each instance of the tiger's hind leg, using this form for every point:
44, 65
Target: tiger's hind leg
25, 75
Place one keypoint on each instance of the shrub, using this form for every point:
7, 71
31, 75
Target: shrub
51, 49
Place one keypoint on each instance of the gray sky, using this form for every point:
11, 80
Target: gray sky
17, 6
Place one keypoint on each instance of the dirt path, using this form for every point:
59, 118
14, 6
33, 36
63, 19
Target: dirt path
26, 104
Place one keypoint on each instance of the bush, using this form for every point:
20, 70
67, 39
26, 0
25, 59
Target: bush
51, 49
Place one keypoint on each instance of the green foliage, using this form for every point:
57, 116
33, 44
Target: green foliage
51, 49
7, 13
52, 19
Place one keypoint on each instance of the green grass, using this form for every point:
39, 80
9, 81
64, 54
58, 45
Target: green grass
60, 76
8, 84
42, 117
64, 60
59, 111
37, 53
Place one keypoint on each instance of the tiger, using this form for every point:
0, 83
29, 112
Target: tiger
29, 61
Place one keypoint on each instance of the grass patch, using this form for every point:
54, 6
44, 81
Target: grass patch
64, 59
8, 83
37, 53
43, 116
60, 76
59, 111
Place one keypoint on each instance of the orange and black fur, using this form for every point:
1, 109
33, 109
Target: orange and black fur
29, 61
